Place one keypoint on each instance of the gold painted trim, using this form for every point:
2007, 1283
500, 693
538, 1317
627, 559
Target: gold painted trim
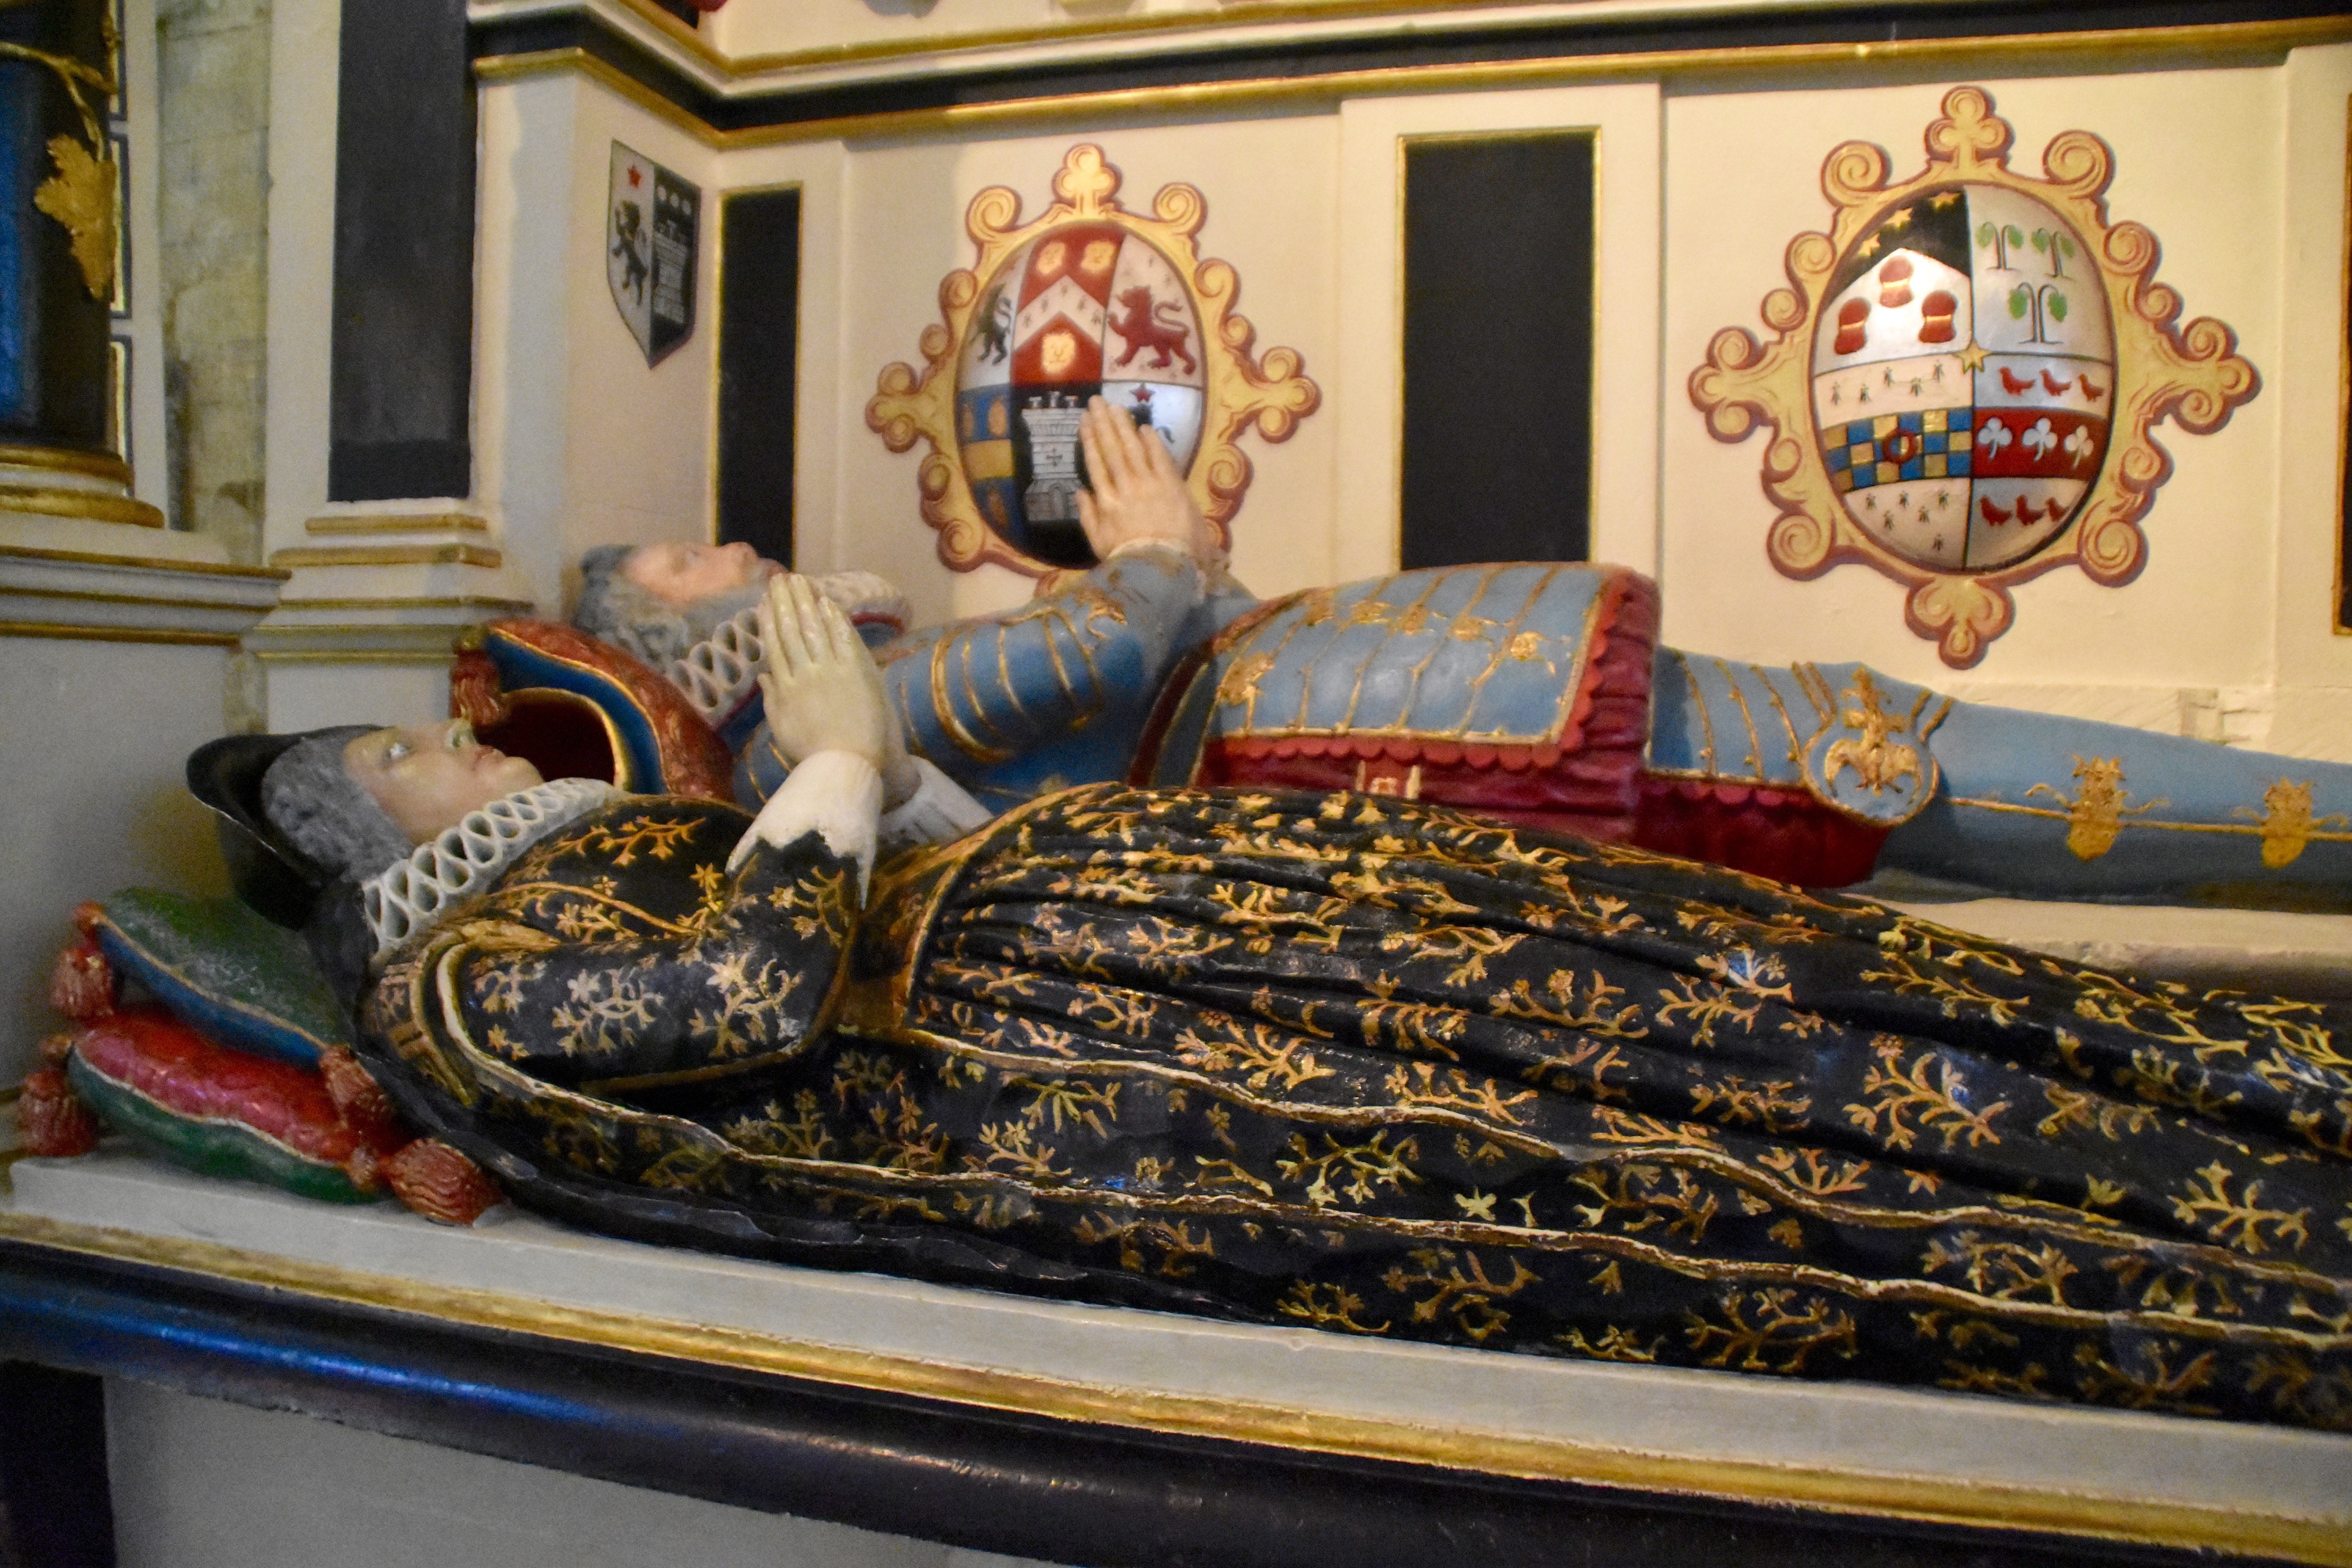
420, 601
396, 523
1927, 1500
351, 655
100, 465
2344, 393
493, 69
2207, 45
45, 502
64, 631
172, 601
1227, 17
386, 555
142, 562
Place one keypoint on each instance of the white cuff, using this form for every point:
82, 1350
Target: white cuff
937, 811
838, 794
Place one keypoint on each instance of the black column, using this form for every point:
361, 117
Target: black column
759, 345
54, 363
401, 404
1498, 348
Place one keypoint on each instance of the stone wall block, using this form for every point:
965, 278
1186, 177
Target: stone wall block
213, 83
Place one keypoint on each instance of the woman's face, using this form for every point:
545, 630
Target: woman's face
682, 574
427, 777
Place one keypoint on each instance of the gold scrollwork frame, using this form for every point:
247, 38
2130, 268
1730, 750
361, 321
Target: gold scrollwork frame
2192, 374
1239, 391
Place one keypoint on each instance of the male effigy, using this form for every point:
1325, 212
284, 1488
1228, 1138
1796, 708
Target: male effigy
1537, 693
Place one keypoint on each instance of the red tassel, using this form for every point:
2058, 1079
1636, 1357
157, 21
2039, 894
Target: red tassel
364, 1168
360, 1101
55, 1125
475, 695
81, 984
441, 1184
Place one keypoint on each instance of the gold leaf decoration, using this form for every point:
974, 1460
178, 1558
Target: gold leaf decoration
80, 196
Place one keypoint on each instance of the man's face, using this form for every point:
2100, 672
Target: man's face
427, 777
682, 575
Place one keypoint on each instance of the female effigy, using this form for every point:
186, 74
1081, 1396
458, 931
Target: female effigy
1344, 1060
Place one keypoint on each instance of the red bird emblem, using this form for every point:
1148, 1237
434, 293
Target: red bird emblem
1993, 514
2053, 383
2094, 394
2014, 385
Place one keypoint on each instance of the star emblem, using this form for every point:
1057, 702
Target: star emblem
1972, 359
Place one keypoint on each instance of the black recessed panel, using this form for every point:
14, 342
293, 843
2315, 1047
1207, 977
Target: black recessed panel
758, 342
400, 391
1497, 349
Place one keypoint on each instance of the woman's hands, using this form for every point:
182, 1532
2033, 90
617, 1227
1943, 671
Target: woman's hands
1136, 494
824, 693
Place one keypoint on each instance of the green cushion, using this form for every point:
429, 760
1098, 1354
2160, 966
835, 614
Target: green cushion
226, 971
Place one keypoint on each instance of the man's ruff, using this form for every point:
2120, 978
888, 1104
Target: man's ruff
718, 672
408, 895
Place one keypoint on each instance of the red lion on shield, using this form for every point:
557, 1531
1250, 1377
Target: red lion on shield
1144, 328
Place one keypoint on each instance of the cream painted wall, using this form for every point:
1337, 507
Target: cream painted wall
2315, 712
577, 442
2195, 161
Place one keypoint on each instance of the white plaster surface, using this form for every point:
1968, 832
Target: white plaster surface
2251, 950
197, 1481
95, 736
1859, 1428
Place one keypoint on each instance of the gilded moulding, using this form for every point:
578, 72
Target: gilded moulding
2203, 45
387, 555
1232, 390
44, 502
1946, 1501
2022, 391
65, 460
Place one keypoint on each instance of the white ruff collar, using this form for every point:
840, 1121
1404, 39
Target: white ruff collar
717, 672
408, 895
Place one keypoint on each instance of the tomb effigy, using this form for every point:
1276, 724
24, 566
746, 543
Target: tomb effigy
1381, 1048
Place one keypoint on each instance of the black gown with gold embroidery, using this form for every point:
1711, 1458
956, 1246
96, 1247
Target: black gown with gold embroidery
1382, 1069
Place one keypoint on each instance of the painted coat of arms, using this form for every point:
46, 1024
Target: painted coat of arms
1088, 300
1966, 375
653, 227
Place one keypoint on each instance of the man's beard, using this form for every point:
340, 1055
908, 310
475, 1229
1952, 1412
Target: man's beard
705, 616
